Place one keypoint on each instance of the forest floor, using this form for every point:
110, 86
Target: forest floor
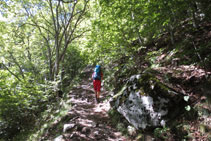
89, 120
192, 82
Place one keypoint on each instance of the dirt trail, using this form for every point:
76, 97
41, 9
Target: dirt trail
89, 118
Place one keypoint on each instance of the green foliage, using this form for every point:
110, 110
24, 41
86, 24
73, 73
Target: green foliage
20, 102
152, 58
52, 121
182, 131
117, 121
74, 63
116, 25
29, 37
27, 48
115, 116
187, 108
162, 133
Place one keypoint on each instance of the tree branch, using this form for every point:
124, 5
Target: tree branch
70, 39
57, 18
68, 23
45, 19
52, 13
39, 26
11, 71
79, 18
70, 1
15, 61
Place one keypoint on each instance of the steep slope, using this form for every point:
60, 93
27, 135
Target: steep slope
183, 67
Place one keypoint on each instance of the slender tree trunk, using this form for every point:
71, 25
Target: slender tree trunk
139, 38
57, 60
171, 30
50, 65
64, 30
194, 10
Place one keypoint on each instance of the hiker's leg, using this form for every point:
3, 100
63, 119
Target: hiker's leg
95, 88
98, 94
99, 88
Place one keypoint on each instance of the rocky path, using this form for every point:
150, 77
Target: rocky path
89, 119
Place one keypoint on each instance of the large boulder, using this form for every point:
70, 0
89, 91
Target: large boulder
147, 103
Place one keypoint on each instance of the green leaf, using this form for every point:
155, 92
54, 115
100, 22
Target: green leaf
187, 108
186, 98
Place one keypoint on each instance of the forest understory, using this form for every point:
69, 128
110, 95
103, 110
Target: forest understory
149, 51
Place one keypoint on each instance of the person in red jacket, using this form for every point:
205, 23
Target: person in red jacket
97, 77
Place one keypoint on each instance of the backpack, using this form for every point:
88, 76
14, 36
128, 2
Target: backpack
97, 73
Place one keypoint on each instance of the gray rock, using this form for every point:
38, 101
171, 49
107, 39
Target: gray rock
146, 102
86, 130
59, 138
68, 127
139, 111
131, 130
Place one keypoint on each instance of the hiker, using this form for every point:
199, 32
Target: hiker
97, 76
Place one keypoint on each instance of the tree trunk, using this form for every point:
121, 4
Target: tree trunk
172, 34
56, 61
194, 10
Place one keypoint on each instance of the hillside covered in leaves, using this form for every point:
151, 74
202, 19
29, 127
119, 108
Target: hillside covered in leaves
46, 46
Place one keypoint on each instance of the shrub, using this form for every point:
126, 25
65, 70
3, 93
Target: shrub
20, 104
